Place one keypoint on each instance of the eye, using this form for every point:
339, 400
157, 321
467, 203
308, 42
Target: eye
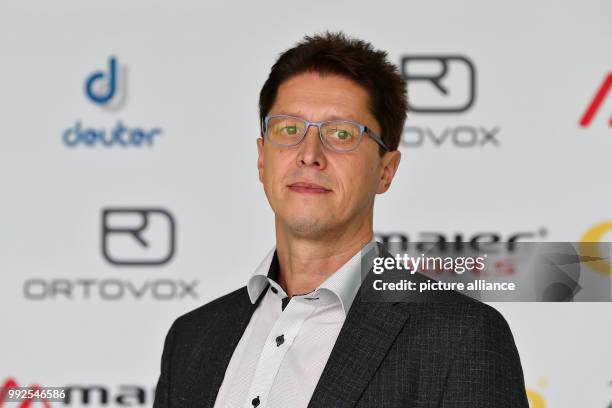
290, 130
340, 134
343, 134
286, 128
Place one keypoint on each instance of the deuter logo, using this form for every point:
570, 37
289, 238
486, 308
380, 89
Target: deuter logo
138, 236
595, 104
446, 83
443, 85
107, 88
100, 87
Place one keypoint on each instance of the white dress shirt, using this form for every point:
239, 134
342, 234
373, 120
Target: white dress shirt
282, 353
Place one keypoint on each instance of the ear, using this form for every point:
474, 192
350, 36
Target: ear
260, 158
389, 164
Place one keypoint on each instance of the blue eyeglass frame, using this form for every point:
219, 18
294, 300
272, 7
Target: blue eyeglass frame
362, 129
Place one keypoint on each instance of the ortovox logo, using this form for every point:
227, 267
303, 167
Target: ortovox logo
138, 236
439, 83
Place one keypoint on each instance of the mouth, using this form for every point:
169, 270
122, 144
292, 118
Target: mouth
308, 188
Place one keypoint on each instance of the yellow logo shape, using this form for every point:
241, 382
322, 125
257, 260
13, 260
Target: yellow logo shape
535, 399
588, 249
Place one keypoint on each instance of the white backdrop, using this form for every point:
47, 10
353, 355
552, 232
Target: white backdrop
193, 70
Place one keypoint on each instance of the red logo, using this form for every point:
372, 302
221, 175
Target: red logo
595, 104
11, 384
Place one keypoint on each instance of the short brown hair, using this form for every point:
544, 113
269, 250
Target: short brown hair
335, 53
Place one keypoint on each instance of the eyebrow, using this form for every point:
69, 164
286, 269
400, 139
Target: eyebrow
300, 114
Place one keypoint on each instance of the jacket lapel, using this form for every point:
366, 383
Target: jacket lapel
206, 368
365, 337
372, 324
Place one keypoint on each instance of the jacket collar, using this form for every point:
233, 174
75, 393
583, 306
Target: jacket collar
342, 285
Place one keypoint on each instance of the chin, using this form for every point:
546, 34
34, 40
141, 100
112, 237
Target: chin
309, 227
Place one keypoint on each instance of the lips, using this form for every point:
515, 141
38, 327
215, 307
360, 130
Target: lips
308, 188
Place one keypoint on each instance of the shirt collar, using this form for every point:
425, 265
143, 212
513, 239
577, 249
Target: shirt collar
342, 285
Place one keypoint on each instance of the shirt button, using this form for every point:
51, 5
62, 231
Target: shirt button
255, 401
273, 289
280, 340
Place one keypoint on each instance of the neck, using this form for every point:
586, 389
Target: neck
306, 262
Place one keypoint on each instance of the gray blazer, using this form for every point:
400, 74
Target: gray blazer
451, 353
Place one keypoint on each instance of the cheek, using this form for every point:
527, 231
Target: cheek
373, 175
358, 179
276, 165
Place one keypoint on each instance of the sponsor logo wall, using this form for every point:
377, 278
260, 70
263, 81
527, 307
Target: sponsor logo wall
130, 193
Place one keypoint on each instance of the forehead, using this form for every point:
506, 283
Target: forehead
321, 97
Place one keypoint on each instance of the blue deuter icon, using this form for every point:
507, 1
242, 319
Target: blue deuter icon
102, 95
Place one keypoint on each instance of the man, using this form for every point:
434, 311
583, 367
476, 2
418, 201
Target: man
300, 334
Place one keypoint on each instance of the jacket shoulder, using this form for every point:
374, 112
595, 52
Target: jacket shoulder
459, 316
462, 310
474, 313
221, 307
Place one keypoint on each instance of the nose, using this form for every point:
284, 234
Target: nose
311, 151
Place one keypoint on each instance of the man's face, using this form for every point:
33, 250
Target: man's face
314, 190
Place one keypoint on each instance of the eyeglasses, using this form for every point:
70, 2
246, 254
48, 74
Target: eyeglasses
338, 135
